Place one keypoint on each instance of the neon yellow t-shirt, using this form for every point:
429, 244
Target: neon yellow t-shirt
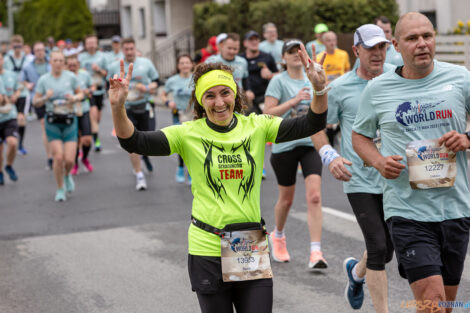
335, 64
226, 171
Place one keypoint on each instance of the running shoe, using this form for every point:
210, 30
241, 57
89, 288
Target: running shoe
88, 165
60, 195
354, 292
69, 183
2, 180
180, 175
141, 183
22, 150
97, 145
279, 248
74, 170
317, 261
11, 173
147, 163
264, 174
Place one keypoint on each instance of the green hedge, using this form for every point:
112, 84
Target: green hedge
38, 19
294, 18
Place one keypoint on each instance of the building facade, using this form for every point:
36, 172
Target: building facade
443, 13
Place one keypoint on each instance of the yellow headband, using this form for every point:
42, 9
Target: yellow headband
211, 79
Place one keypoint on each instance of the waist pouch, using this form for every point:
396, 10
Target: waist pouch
53, 118
138, 108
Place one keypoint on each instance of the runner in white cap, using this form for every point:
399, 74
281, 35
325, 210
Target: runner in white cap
362, 183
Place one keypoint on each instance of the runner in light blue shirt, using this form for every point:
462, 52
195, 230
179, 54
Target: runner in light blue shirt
421, 110
180, 87
271, 44
142, 84
15, 62
115, 54
8, 126
289, 94
95, 63
82, 110
362, 183
418, 109
59, 91
229, 48
8, 85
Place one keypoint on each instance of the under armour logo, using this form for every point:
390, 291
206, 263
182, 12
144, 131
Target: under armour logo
410, 252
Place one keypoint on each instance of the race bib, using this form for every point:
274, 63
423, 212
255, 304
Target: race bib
245, 256
430, 165
133, 95
79, 109
5, 109
97, 80
61, 106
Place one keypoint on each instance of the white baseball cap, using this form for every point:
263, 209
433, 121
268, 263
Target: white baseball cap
220, 37
369, 35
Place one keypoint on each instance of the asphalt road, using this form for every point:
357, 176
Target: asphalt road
109, 248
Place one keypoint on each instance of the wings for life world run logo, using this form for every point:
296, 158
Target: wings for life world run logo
242, 245
427, 153
414, 115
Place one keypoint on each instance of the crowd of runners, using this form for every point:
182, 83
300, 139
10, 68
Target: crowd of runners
402, 116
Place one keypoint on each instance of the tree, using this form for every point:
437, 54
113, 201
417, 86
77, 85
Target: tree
36, 20
294, 18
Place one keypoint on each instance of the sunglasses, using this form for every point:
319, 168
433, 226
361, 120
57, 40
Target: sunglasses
17, 46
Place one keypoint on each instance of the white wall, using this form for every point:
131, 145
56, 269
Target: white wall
448, 12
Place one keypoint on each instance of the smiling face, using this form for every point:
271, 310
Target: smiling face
415, 40
219, 103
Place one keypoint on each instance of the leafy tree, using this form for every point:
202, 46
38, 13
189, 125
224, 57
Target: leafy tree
38, 19
294, 18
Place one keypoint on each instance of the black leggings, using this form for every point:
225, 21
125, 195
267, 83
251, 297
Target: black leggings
246, 296
216, 296
369, 212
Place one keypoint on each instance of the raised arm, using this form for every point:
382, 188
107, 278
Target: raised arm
132, 140
119, 87
316, 75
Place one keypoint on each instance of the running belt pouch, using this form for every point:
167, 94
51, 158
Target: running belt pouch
242, 226
60, 118
138, 108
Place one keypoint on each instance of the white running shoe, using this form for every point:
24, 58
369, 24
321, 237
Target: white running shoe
141, 183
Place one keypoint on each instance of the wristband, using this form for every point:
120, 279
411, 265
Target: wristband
328, 154
322, 92
167, 102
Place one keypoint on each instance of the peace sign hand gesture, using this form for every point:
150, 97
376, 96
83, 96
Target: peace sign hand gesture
315, 72
119, 86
